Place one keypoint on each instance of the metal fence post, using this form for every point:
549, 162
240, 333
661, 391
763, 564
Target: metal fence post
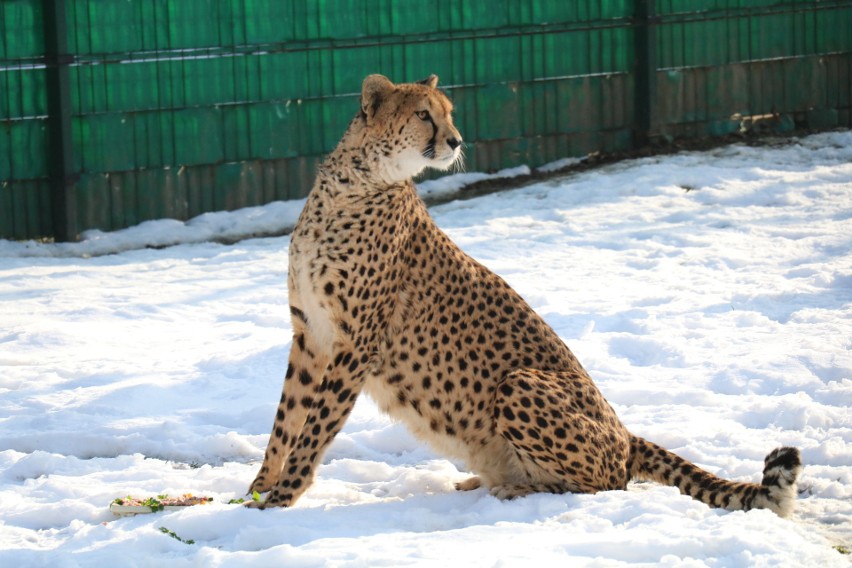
645, 70
60, 149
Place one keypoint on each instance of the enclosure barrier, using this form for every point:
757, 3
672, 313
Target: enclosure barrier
113, 112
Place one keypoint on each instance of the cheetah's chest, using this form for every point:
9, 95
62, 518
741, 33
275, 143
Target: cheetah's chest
306, 265
340, 269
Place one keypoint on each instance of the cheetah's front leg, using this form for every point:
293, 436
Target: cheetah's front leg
306, 369
331, 407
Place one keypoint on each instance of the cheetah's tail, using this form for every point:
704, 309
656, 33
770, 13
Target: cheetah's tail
777, 491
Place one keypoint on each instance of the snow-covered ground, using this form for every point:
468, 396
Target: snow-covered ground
709, 294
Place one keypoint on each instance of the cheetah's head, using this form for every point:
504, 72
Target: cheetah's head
412, 124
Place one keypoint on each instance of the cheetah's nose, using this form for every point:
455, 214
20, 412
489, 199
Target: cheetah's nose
453, 142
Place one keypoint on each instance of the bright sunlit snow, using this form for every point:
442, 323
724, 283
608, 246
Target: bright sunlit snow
709, 294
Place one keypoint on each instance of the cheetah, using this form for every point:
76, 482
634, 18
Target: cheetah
383, 302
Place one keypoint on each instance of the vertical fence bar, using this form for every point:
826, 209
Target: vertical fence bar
644, 70
60, 157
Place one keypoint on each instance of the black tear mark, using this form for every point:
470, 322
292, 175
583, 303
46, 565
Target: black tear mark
429, 152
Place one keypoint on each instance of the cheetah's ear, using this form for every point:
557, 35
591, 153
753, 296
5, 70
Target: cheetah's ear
374, 90
430, 81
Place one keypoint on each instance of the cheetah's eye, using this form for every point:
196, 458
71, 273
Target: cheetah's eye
422, 114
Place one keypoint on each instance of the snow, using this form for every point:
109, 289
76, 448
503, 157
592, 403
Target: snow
448, 185
708, 293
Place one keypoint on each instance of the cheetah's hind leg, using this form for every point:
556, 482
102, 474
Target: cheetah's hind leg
565, 436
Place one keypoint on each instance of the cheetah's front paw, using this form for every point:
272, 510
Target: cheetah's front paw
260, 485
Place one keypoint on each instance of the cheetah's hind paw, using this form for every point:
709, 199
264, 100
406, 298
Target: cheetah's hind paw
469, 484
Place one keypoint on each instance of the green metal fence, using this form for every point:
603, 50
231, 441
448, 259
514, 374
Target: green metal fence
113, 112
